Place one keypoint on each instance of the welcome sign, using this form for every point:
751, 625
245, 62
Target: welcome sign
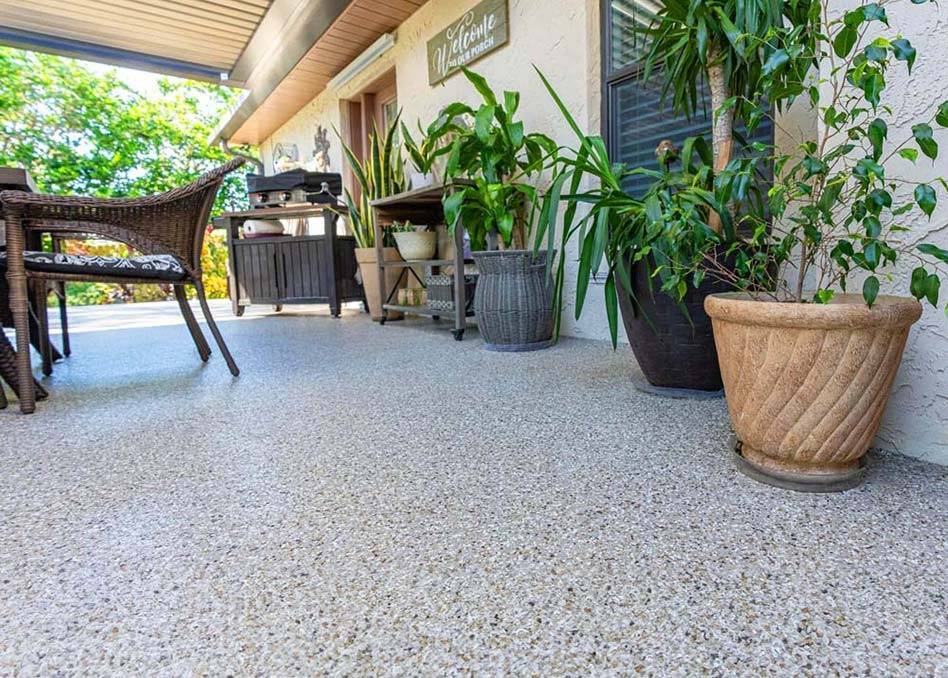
480, 31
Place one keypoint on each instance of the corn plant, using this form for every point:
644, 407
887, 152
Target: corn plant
379, 175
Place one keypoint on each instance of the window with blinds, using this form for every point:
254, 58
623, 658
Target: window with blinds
634, 119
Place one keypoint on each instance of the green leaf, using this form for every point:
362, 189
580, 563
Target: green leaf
924, 137
480, 84
941, 117
872, 84
483, 121
875, 53
845, 41
909, 154
775, 61
879, 199
926, 198
932, 286
904, 51
870, 289
873, 226
919, 284
824, 296
874, 12
934, 251
871, 255
877, 132
612, 309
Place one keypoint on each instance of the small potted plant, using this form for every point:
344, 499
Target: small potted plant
415, 243
808, 362
497, 204
424, 155
381, 174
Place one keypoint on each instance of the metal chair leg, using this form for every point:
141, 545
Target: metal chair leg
199, 286
63, 319
204, 350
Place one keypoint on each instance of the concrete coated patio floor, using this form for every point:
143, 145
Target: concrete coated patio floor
369, 499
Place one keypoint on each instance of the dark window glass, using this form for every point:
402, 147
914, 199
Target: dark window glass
635, 121
625, 48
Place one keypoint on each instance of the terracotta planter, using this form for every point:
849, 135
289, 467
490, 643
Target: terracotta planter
807, 384
368, 268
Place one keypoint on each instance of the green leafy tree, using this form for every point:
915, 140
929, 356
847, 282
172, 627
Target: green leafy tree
87, 132
84, 131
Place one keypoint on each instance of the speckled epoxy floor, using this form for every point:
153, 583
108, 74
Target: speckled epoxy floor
369, 499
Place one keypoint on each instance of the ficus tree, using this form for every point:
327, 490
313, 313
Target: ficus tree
841, 205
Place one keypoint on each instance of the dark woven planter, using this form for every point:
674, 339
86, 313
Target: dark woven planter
673, 353
514, 300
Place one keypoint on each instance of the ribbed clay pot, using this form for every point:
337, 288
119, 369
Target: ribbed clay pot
807, 384
674, 351
513, 301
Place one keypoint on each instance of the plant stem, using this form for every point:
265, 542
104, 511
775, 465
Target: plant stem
722, 133
801, 273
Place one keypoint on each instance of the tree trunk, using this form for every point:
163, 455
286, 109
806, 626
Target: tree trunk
722, 131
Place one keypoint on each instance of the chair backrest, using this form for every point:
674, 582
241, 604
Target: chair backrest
176, 221
173, 222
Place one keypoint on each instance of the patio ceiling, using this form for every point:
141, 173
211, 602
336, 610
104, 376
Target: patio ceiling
191, 38
270, 104
283, 52
246, 43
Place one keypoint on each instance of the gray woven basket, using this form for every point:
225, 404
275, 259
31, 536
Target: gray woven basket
514, 300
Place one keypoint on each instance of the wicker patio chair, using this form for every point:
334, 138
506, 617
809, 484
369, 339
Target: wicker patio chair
166, 229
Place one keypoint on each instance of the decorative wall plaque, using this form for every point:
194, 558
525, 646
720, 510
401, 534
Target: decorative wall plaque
480, 31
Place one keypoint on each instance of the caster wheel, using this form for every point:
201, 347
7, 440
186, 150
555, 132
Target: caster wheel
458, 334
239, 312
382, 321
278, 307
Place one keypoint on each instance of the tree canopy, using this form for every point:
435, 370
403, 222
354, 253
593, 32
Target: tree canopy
84, 131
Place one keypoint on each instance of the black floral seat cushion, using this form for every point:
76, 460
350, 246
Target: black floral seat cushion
153, 266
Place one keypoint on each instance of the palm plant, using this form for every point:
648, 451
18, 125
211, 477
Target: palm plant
727, 45
380, 175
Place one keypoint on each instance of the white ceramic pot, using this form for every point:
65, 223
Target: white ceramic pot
417, 245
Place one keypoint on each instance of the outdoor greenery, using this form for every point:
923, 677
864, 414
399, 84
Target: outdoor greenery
834, 209
491, 149
839, 204
380, 175
727, 45
84, 131
424, 154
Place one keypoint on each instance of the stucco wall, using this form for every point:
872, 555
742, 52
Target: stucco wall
562, 37
916, 421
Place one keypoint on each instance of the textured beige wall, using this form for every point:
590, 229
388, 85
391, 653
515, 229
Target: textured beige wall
562, 37
916, 421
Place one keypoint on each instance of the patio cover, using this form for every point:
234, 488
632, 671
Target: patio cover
282, 51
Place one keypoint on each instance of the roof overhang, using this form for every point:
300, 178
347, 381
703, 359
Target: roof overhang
338, 33
242, 43
283, 52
